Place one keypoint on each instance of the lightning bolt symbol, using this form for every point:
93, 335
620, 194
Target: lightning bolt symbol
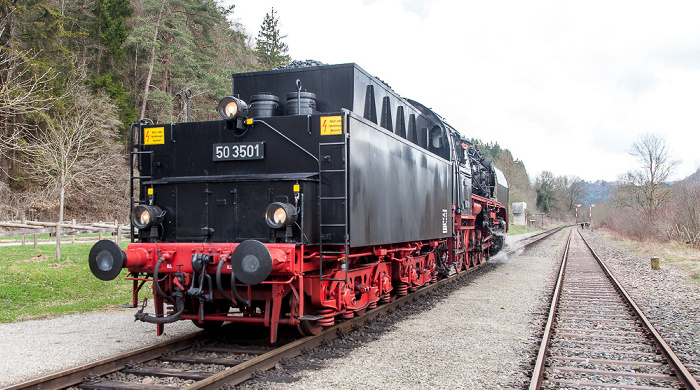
324, 125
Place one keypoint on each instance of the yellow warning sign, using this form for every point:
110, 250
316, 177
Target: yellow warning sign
331, 125
154, 136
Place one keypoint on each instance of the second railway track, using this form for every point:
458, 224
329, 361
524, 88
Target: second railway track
596, 336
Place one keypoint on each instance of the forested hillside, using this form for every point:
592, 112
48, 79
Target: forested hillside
513, 169
75, 74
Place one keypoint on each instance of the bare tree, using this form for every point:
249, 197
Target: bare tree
22, 92
646, 190
558, 195
74, 152
574, 192
152, 59
685, 213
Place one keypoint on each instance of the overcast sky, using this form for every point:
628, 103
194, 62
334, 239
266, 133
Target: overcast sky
566, 86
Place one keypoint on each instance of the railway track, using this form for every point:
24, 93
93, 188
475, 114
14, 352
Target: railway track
597, 337
200, 362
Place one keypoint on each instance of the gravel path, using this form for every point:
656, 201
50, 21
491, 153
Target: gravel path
477, 336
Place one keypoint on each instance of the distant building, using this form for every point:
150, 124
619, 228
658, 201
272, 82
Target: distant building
519, 214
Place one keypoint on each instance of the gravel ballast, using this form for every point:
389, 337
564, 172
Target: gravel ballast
41, 347
31, 349
477, 337
668, 297
480, 333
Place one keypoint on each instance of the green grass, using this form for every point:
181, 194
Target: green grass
34, 285
687, 264
670, 253
27, 237
520, 229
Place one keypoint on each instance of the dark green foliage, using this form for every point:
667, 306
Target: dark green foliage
108, 44
196, 48
545, 191
513, 169
113, 15
269, 49
39, 29
490, 150
544, 198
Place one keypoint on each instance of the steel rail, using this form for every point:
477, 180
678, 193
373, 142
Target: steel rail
681, 371
75, 375
242, 372
677, 368
239, 374
538, 371
536, 237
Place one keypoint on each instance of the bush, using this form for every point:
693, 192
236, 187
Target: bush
685, 214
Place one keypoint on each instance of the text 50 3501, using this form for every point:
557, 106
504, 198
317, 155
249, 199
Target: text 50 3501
239, 151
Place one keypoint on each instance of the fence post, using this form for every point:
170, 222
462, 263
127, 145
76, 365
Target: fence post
24, 221
72, 236
119, 236
36, 241
58, 241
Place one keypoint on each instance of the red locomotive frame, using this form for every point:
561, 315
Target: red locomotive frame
295, 294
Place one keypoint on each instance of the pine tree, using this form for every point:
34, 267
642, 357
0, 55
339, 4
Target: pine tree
545, 191
113, 15
269, 49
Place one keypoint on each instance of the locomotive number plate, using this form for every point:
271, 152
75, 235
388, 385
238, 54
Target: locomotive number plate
239, 151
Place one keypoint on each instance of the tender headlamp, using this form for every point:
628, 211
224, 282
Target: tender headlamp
230, 108
278, 215
146, 216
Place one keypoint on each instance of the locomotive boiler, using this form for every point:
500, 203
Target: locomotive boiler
322, 196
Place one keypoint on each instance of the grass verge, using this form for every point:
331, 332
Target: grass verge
520, 229
34, 285
670, 253
677, 255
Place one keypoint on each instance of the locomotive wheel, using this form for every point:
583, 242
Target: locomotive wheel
306, 327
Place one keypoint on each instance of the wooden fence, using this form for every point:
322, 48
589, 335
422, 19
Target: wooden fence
71, 229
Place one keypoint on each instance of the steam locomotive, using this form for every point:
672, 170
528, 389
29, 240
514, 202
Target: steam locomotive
302, 210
